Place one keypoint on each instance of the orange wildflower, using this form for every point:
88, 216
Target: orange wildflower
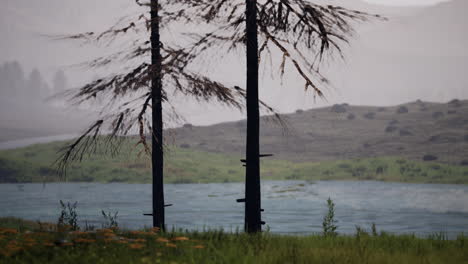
84, 240
171, 245
78, 233
136, 246
140, 240
199, 246
180, 238
8, 231
155, 229
105, 230
109, 235
138, 233
48, 244
162, 240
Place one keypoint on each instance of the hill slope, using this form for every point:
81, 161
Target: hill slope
340, 132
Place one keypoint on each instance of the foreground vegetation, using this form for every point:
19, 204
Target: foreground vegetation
29, 242
183, 165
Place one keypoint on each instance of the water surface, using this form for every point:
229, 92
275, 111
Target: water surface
292, 207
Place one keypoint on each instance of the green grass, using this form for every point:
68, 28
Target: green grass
34, 164
146, 246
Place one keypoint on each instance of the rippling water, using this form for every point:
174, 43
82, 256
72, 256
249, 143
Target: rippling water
293, 207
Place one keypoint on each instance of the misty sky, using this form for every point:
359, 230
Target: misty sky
405, 2
418, 54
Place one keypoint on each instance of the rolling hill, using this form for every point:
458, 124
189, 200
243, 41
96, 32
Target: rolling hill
339, 132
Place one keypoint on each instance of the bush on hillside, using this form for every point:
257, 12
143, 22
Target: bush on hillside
370, 115
437, 115
455, 103
430, 157
402, 110
405, 132
391, 129
338, 108
351, 116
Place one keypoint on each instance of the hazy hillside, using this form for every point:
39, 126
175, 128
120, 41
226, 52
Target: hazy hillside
345, 132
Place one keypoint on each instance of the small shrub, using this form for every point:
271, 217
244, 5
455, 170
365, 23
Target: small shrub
188, 125
465, 138
374, 230
339, 108
110, 220
402, 110
370, 115
299, 111
391, 129
404, 132
437, 115
429, 157
381, 109
185, 146
451, 112
351, 117
393, 122
329, 222
464, 163
455, 103
68, 216
344, 166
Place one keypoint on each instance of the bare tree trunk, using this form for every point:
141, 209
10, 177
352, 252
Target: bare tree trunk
252, 181
157, 127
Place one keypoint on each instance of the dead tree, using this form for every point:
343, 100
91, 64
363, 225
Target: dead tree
302, 32
132, 92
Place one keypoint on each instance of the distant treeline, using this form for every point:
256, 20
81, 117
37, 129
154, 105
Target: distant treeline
20, 87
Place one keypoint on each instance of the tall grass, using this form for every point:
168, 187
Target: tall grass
150, 246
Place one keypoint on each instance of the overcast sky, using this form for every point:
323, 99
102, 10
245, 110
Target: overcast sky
405, 2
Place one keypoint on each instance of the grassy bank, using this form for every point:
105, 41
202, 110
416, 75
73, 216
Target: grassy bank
152, 246
34, 164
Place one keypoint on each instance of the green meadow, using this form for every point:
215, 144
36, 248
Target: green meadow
183, 165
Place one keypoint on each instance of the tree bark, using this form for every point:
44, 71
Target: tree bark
157, 159
252, 181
